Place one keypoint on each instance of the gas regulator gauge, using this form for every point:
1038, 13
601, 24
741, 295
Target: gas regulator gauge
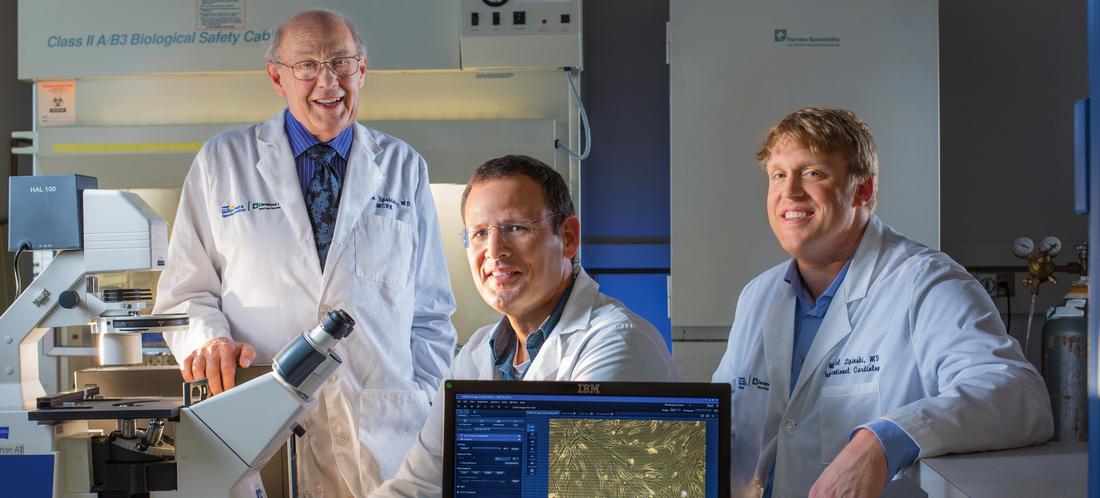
1050, 245
1023, 247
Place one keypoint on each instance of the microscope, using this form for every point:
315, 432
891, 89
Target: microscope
47, 446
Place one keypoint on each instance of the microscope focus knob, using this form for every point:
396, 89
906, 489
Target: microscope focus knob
69, 299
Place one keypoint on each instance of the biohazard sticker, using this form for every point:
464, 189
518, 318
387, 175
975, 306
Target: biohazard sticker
56, 103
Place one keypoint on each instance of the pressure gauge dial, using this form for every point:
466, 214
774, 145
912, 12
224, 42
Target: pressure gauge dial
1050, 245
495, 3
1023, 247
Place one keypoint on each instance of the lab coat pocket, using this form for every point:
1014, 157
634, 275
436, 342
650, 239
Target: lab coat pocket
843, 408
389, 420
384, 250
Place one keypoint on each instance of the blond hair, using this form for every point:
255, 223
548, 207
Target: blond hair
829, 132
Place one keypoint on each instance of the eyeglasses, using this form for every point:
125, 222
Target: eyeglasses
310, 69
514, 233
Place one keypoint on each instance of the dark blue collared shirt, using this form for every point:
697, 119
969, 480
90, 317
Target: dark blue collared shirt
301, 140
502, 345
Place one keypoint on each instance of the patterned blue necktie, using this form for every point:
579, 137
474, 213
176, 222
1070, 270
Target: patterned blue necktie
323, 198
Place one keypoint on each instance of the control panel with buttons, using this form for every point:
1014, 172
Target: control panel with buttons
521, 33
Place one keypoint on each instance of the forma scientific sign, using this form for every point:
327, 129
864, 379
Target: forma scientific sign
64, 39
790, 39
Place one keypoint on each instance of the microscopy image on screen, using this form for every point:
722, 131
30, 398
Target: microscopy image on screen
627, 458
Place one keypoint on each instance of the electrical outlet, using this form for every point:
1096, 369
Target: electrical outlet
1006, 282
1000, 284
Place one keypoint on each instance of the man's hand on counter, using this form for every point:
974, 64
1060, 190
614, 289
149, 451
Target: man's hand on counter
859, 471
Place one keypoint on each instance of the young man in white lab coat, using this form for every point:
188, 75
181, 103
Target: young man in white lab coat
867, 350
285, 220
522, 235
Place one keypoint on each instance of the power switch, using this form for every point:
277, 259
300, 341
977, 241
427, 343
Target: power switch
565, 19
475, 19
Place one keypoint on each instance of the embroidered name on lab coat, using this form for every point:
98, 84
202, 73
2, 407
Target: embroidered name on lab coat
383, 202
853, 364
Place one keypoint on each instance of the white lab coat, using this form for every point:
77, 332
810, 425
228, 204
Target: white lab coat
253, 274
910, 336
597, 339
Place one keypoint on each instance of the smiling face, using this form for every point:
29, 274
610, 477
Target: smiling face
327, 104
816, 213
521, 278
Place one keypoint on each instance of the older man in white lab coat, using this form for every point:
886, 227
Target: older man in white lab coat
285, 220
522, 236
867, 350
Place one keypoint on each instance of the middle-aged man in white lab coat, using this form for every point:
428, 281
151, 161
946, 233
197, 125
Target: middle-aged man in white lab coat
285, 220
522, 237
867, 350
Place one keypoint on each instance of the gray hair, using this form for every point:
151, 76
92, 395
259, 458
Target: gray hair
360, 49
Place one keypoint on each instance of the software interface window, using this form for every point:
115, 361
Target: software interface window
567, 446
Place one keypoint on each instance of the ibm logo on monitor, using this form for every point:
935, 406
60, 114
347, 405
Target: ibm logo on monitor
588, 389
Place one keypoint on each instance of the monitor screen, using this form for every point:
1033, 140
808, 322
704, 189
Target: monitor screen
619, 441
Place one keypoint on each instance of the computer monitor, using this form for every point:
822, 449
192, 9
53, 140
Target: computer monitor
576, 439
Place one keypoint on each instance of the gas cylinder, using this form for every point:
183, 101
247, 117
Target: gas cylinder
1065, 364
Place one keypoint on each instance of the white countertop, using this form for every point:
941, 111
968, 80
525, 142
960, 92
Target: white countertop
1053, 470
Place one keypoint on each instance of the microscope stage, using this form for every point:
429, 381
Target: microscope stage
112, 409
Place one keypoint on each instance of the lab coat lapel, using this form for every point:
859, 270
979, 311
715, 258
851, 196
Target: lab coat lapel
779, 342
280, 173
834, 327
361, 181
837, 322
865, 261
483, 361
574, 318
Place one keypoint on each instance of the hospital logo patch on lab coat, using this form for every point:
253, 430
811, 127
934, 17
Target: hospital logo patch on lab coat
232, 209
743, 382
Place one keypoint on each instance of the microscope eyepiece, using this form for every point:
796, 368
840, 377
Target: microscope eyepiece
301, 360
338, 324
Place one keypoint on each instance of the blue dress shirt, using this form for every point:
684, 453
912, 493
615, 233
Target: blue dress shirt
808, 314
301, 140
900, 449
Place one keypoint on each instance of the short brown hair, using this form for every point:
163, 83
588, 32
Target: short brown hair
554, 188
832, 132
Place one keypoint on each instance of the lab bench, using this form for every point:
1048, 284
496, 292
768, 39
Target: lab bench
1052, 470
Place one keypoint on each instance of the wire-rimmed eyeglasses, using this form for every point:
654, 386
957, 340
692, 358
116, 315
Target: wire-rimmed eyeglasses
514, 233
310, 69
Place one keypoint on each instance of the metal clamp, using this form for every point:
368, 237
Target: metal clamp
195, 391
